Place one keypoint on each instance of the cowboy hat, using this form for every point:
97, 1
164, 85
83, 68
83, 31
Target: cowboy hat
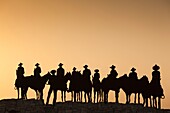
37, 64
74, 68
113, 67
60, 64
85, 66
20, 64
133, 69
96, 70
155, 67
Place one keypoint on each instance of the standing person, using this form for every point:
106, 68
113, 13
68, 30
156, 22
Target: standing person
86, 72
52, 82
20, 75
60, 71
113, 72
37, 70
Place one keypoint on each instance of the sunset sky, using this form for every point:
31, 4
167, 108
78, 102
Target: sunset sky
99, 33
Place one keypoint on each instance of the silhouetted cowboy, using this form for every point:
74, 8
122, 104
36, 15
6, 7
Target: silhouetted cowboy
155, 82
19, 81
113, 72
37, 70
156, 74
96, 85
133, 74
73, 80
60, 71
86, 72
20, 71
52, 82
96, 74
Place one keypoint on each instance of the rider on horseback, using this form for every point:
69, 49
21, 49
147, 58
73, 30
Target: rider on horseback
37, 70
20, 71
86, 72
133, 75
20, 75
73, 80
60, 71
96, 76
155, 82
113, 72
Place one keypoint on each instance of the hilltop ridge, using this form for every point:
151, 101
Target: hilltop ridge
36, 106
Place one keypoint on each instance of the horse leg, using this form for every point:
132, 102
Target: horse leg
102, 96
72, 96
89, 96
48, 96
151, 104
127, 99
144, 101
41, 95
75, 96
154, 99
55, 96
94, 95
138, 98
135, 99
85, 96
156, 105
64, 96
159, 103
78, 96
18, 92
117, 96
97, 96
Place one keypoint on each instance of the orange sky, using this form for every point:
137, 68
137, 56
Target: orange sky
77, 32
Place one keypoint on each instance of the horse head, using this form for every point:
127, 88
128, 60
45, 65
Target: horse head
46, 77
144, 79
123, 78
67, 76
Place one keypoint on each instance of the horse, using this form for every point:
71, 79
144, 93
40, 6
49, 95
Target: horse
110, 83
157, 93
87, 88
129, 87
75, 87
18, 87
37, 84
61, 85
144, 89
97, 89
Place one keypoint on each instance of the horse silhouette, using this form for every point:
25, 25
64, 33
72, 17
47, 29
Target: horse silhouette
110, 83
60, 84
97, 89
75, 86
37, 84
78, 85
156, 91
